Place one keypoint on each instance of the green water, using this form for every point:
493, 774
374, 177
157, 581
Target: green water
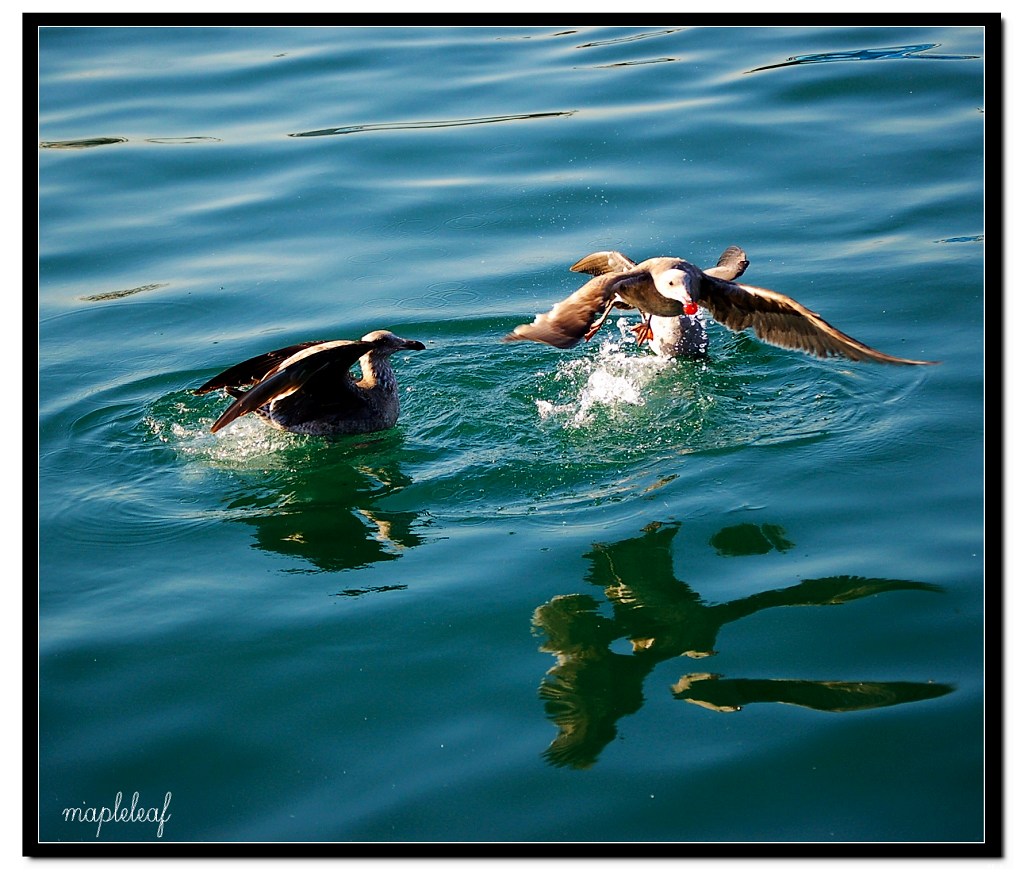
582, 595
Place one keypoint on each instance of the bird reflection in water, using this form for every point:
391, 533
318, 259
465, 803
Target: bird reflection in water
591, 686
334, 516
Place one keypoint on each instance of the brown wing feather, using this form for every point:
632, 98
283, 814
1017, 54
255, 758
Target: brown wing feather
254, 369
293, 373
565, 324
601, 262
280, 384
779, 320
731, 264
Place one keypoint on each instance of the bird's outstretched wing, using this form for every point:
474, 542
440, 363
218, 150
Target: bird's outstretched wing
601, 262
617, 282
565, 324
254, 369
291, 374
775, 318
781, 321
731, 264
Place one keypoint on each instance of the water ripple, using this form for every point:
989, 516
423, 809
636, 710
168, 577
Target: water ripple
428, 124
536, 36
522, 430
887, 53
124, 292
980, 237
81, 143
632, 38
188, 139
633, 63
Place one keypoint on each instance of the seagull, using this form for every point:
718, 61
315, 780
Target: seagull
669, 336
308, 387
672, 287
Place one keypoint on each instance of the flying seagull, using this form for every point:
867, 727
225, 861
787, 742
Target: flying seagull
672, 287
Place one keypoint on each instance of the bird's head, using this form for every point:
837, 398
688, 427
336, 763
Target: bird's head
387, 342
679, 283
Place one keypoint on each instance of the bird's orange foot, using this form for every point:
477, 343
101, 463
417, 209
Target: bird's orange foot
642, 332
593, 330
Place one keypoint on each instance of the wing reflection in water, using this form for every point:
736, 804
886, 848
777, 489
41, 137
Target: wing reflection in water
591, 686
731, 694
332, 516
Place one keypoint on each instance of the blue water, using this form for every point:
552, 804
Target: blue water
582, 595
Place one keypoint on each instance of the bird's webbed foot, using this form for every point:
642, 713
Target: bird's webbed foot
642, 331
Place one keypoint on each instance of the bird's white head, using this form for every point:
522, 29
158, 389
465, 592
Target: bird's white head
676, 283
387, 343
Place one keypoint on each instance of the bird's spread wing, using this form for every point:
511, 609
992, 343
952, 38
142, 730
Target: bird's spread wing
779, 320
333, 357
568, 320
254, 369
731, 264
601, 262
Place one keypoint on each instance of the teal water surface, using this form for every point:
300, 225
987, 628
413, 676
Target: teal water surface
583, 595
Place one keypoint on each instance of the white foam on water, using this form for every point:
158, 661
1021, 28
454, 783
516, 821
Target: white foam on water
611, 381
245, 443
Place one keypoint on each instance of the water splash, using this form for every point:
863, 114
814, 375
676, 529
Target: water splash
611, 384
244, 445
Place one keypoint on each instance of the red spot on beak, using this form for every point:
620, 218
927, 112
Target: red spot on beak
690, 309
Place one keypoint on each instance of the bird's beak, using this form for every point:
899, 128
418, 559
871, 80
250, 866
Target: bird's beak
414, 345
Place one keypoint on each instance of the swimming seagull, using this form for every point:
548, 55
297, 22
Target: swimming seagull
308, 388
673, 287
